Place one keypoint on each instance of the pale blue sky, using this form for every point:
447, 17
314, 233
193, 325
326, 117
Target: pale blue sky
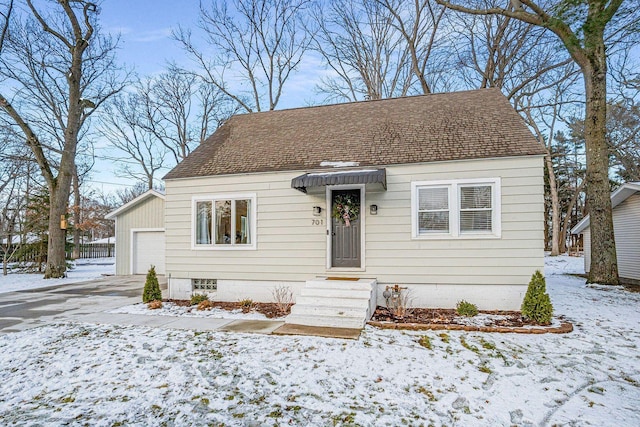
146, 46
145, 29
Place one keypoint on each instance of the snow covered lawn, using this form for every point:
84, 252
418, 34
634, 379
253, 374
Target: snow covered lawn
106, 375
84, 269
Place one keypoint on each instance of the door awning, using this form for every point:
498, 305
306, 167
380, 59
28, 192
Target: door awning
322, 179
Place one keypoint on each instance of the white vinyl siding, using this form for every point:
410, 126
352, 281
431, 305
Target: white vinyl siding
456, 209
586, 241
626, 227
292, 246
148, 214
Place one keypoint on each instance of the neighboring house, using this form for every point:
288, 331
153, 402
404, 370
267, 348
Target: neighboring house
448, 190
626, 227
140, 234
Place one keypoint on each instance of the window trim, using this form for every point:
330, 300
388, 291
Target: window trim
454, 209
223, 247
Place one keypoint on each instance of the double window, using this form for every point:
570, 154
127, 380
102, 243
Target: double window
460, 208
224, 222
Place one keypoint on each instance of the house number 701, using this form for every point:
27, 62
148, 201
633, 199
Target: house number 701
317, 222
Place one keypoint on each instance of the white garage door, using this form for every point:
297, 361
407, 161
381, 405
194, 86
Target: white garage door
148, 250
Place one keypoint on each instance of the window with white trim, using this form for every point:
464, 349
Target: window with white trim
224, 222
456, 208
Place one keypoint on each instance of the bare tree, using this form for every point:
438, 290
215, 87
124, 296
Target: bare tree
61, 70
586, 31
6, 7
125, 125
256, 44
161, 121
367, 54
181, 110
419, 23
623, 137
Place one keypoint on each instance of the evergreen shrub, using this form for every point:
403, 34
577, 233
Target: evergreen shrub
198, 298
464, 308
152, 290
536, 305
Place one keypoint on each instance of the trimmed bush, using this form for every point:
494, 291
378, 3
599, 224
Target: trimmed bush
464, 308
536, 305
198, 298
205, 305
154, 305
246, 305
152, 290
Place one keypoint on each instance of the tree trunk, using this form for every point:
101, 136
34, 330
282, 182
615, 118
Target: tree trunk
56, 256
76, 215
567, 219
604, 267
555, 206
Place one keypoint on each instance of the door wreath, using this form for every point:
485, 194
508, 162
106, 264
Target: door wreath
346, 208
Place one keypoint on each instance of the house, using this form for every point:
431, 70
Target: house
441, 194
140, 234
626, 228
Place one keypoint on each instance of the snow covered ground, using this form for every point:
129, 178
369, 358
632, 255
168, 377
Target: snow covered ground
171, 309
105, 375
84, 269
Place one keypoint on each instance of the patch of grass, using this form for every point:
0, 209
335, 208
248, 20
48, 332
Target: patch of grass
215, 354
487, 345
485, 369
344, 419
276, 413
425, 342
68, 399
468, 346
444, 337
427, 392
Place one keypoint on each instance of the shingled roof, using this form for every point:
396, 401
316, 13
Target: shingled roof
449, 126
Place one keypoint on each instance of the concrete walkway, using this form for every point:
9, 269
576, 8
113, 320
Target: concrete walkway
179, 322
91, 301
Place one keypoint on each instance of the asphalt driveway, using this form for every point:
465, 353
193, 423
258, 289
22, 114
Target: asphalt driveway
36, 307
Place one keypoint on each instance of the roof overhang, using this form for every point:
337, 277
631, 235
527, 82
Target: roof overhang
620, 195
323, 179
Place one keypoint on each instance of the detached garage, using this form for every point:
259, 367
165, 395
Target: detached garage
140, 240
626, 229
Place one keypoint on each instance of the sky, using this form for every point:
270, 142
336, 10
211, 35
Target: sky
145, 29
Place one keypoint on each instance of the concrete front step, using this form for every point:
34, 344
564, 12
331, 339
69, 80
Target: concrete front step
363, 285
331, 310
335, 293
334, 303
326, 321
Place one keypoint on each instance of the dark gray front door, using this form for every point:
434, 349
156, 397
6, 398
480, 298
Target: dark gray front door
345, 239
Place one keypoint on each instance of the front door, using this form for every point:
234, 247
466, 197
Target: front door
345, 230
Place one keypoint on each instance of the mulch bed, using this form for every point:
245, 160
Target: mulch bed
270, 310
448, 319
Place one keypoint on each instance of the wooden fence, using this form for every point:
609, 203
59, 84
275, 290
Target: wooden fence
99, 250
35, 253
